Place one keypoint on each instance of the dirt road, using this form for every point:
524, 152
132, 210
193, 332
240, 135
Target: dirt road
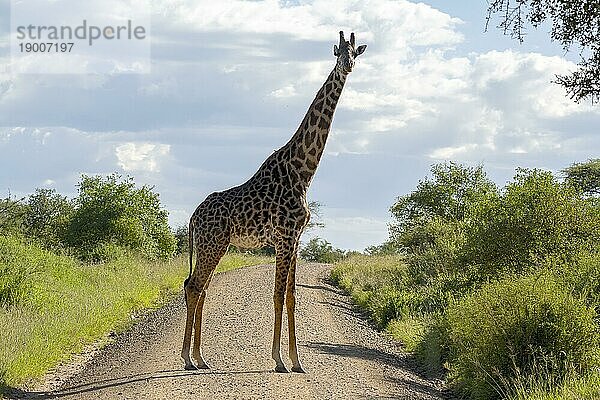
344, 357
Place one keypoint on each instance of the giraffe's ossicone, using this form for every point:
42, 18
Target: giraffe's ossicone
269, 209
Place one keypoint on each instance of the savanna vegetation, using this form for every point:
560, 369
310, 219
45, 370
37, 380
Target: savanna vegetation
73, 270
496, 288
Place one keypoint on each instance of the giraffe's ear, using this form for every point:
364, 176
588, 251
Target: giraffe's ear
336, 51
361, 49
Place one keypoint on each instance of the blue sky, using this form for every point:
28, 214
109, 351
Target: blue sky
231, 80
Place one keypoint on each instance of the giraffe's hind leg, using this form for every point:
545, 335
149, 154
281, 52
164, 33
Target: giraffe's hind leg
283, 259
191, 300
290, 302
197, 348
195, 291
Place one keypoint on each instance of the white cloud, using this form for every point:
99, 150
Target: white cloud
450, 153
286, 91
231, 80
141, 156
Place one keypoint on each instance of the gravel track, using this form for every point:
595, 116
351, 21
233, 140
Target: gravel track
342, 354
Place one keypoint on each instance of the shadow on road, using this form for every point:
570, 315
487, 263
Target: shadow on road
388, 359
13, 393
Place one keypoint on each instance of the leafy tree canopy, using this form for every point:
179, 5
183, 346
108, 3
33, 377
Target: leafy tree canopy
112, 211
47, 216
574, 24
585, 176
448, 195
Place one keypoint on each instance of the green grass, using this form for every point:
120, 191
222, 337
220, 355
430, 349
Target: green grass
550, 314
61, 305
573, 388
238, 260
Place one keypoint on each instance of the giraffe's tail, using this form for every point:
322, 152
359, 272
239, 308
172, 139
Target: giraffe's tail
191, 252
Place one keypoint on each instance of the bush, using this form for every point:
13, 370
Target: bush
47, 216
20, 264
114, 212
447, 196
515, 328
12, 212
537, 219
320, 250
15, 272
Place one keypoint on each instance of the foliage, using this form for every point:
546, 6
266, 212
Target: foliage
113, 210
320, 250
182, 239
448, 195
512, 275
47, 215
536, 219
387, 248
12, 212
316, 216
574, 24
585, 176
56, 305
512, 328
18, 269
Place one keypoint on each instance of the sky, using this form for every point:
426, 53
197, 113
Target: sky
230, 81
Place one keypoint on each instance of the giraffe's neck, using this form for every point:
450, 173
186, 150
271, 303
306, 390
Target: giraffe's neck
306, 147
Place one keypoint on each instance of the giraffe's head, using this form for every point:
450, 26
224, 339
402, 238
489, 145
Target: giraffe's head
346, 53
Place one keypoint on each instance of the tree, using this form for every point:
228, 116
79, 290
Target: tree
12, 212
536, 220
574, 24
182, 239
316, 215
447, 196
584, 176
112, 211
320, 250
47, 216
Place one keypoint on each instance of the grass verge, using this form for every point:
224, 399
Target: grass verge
62, 305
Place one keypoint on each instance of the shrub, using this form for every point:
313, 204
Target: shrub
537, 219
517, 327
112, 211
12, 212
320, 250
15, 272
47, 216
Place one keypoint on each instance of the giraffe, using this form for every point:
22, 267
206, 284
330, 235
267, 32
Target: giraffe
269, 209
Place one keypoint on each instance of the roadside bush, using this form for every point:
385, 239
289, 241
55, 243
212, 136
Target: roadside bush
114, 212
320, 250
15, 272
12, 212
20, 264
47, 215
516, 328
537, 219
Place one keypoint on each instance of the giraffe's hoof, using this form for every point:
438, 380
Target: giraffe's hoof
190, 367
281, 368
203, 366
298, 369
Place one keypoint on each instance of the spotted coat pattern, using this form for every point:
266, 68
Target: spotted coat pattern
269, 209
